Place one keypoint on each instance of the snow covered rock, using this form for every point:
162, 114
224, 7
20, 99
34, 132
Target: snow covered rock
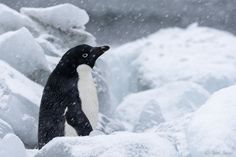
117, 145
123, 78
11, 20
5, 128
19, 103
22, 52
212, 130
52, 61
63, 16
199, 54
65, 22
49, 49
175, 132
11, 146
146, 109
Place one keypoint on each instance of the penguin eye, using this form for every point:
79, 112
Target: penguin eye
84, 55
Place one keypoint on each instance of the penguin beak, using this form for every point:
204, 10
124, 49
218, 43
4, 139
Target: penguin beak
105, 48
100, 50
96, 53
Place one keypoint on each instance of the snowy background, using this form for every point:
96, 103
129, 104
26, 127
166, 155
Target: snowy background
168, 94
119, 21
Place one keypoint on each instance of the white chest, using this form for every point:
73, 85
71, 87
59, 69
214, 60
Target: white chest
88, 94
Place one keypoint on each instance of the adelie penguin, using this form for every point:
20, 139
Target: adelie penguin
70, 95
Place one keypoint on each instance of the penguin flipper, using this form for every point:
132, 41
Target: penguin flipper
78, 120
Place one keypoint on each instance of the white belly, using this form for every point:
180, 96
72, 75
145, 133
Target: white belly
88, 96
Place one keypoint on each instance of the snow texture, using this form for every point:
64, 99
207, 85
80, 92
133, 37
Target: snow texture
63, 23
11, 20
49, 49
212, 130
120, 144
11, 146
159, 85
175, 131
19, 103
203, 55
22, 52
63, 16
101, 77
146, 109
5, 128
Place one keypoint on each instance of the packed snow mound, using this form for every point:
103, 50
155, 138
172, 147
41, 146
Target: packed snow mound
175, 131
11, 20
212, 131
146, 109
63, 23
63, 16
19, 103
11, 146
117, 145
199, 54
5, 128
49, 49
22, 52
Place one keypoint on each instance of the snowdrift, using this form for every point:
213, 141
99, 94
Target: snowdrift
162, 80
199, 54
212, 130
11, 146
146, 109
5, 128
19, 103
58, 16
65, 22
22, 52
159, 85
11, 20
117, 145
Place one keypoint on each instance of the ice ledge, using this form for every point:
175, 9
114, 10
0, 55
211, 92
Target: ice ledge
119, 144
63, 16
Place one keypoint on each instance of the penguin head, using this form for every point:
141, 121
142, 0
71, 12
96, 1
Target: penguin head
85, 54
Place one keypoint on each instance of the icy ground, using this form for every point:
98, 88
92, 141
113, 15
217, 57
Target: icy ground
170, 94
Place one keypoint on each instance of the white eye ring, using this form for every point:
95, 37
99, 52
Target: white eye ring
84, 55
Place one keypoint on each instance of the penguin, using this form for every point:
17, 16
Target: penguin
70, 95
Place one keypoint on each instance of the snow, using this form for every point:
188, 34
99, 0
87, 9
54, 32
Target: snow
21, 51
175, 131
19, 103
101, 77
11, 146
175, 71
52, 61
11, 20
63, 16
212, 130
159, 86
49, 49
5, 128
152, 107
120, 144
199, 54
61, 25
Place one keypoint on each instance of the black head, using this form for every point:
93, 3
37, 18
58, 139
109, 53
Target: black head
84, 54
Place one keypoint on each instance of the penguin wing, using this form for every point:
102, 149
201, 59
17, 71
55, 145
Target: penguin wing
77, 119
